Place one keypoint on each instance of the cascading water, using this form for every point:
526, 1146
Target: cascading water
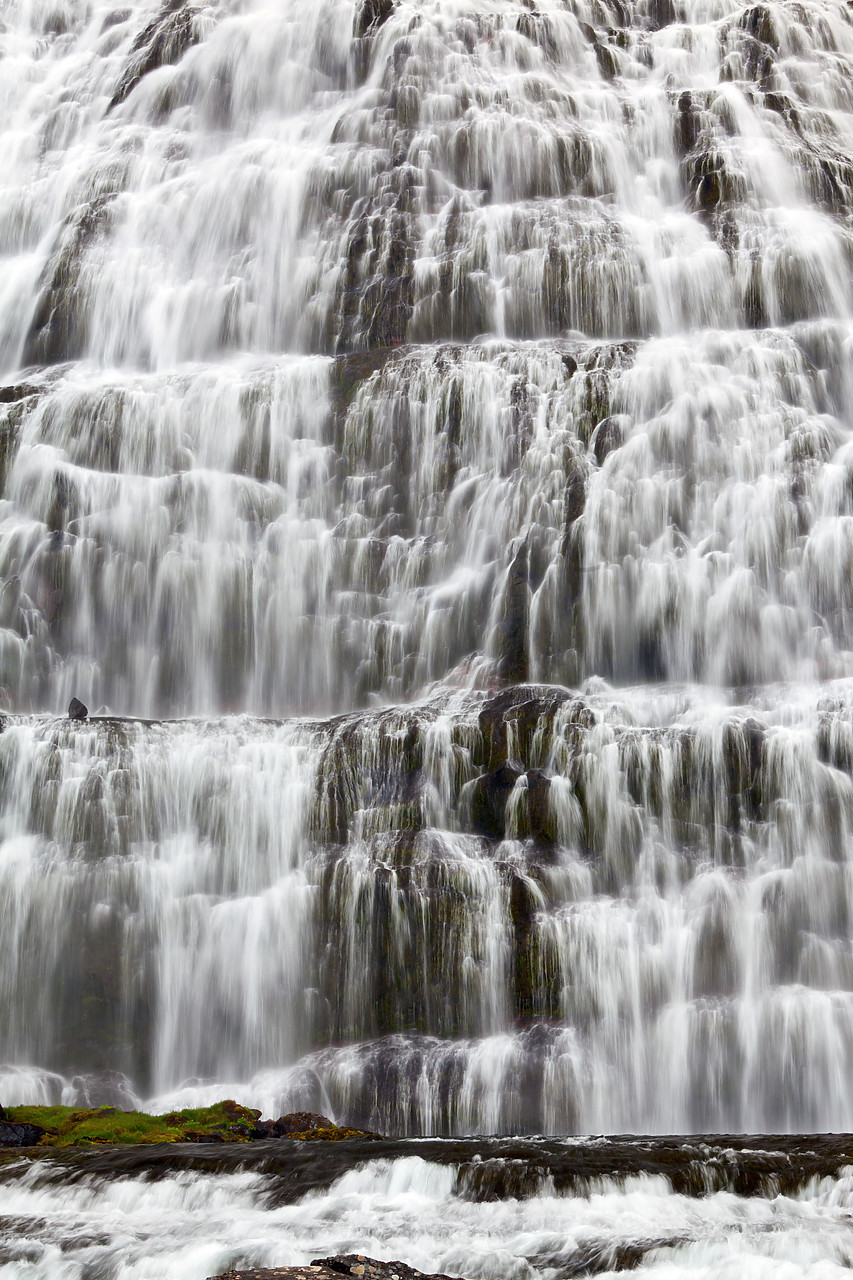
433, 420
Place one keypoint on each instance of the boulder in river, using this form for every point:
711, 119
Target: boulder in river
307, 1126
350, 1264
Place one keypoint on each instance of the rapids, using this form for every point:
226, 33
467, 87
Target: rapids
100, 1216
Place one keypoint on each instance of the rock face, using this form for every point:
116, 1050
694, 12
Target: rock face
163, 42
19, 1135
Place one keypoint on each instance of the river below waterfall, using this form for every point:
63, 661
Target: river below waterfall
426, 447
488, 1210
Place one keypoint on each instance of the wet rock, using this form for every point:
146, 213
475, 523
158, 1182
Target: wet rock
523, 906
489, 797
19, 1135
539, 824
758, 21
570, 364
77, 710
689, 124
661, 14
356, 1264
608, 436
8, 447
512, 629
305, 1126
162, 43
10, 601
606, 60
372, 15
521, 712
352, 1264
301, 1122
743, 748
17, 392
103, 1089
279, 1273
59, 330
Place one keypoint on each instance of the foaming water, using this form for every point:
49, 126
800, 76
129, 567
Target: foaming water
188, 1226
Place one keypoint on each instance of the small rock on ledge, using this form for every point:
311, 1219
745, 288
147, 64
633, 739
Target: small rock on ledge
350, 1264
77, 710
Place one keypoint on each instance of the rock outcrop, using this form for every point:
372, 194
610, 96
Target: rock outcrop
350, 1264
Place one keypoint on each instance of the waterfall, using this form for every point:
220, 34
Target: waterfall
426, 446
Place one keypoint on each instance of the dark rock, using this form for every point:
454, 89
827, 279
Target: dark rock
305, 1124
301, 1122
77, 710
606, 61
523, 906
512, 629
661, 14
372, 15
103, 1089
162, 43
489, 797
19, 1135
356, 1264
689, 124
608, 436
8, 445
352, 1264
539, 825
279, 1273
18, 391
59, 330
758, 21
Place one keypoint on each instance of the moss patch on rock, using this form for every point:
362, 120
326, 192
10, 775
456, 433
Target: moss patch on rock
69, 1127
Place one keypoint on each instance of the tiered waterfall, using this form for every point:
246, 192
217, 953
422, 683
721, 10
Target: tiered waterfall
426, 445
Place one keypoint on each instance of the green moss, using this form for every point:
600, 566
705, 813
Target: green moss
335, 1133
69, 1127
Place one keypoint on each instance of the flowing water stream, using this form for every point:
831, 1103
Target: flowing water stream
426, 445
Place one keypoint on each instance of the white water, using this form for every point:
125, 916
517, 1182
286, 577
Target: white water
187, 1228
170, 884
510, 341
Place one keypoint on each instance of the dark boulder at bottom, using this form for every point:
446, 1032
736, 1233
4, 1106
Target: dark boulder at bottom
19, 1135
350, 1264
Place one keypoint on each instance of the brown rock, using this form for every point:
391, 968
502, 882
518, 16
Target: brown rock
351, 1264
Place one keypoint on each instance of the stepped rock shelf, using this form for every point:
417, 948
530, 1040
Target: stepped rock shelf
426, 477
469, 908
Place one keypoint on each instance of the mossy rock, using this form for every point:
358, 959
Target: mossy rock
69, 1127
